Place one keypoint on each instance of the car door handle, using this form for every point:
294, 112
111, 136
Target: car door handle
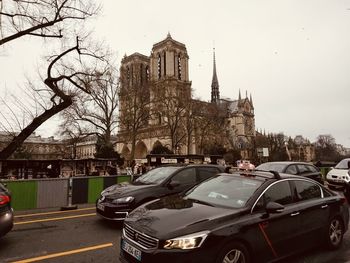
294, 214
324, 206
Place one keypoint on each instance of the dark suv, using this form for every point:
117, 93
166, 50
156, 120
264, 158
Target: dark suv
118, 200
6, 213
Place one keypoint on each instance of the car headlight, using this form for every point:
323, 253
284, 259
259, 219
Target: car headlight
347, 178
187, 242
123, 200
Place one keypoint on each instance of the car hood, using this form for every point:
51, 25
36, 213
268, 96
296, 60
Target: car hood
337, 172
125, 189
174, 216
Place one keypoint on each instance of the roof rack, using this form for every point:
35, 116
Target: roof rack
276, 174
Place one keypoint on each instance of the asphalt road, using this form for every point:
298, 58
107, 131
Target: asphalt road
80, 236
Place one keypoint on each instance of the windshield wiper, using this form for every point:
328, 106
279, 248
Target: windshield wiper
200, 202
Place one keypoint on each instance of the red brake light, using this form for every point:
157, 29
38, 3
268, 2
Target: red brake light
4, 199
344, 200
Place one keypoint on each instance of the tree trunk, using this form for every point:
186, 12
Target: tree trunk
25, 133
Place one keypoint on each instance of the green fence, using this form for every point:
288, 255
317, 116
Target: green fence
24, 194
47, 193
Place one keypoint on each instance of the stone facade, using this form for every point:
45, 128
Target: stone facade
162, 89
36, 147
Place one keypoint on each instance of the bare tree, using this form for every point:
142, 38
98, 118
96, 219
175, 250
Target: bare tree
173, 107
65, 72
41, 18
326, 148
94, 112
134, 107
63, 82
210, 126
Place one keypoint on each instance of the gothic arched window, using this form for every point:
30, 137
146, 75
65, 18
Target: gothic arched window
164, 56
128, 74
159, 118
179, 66
147, 73
159, 66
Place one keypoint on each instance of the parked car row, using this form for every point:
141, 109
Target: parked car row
240, 217
200, 213
295, 168
118, 200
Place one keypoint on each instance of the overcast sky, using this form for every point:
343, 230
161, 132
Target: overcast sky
292, 56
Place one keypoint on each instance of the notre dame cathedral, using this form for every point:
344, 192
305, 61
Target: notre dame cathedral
156, 107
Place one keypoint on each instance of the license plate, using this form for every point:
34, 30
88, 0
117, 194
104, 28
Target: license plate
136, 253
101, 207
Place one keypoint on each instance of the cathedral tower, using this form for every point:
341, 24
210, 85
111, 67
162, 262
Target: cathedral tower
169, 76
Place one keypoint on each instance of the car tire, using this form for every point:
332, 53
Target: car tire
234, 253
335, 233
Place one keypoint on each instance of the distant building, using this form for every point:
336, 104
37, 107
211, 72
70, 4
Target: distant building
171, 117
35, 147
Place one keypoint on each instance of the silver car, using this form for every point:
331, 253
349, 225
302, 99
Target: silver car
339, 176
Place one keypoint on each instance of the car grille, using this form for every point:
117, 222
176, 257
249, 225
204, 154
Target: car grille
144, 241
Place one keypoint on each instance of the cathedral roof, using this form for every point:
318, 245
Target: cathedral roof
134, 56
167, 40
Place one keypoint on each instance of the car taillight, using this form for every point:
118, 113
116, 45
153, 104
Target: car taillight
344, 200
4, 199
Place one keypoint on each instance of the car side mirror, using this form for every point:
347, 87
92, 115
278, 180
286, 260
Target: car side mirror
173, 184
274, 208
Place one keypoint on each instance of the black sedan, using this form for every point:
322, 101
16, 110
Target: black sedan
241, 217
118, 200
295, 168
6, 213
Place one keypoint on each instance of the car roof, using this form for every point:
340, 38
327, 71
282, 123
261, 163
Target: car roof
191, 165
267, 175
287, 162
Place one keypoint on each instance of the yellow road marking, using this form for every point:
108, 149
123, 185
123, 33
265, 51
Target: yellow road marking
55, 212
52, 219
70, 252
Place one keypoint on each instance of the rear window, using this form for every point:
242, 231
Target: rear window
157, 175
278, 167
307, 190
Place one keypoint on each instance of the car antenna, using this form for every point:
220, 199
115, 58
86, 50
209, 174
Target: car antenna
276, 174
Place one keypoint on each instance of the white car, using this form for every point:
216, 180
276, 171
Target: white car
339, 175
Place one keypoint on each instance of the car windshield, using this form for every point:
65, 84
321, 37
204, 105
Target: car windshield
156, 175
278, 167
226, 190
343, 164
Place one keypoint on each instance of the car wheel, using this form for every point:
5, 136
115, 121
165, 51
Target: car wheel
335, 233
234, 253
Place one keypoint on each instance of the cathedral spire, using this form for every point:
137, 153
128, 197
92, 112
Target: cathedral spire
215, 94
239, 95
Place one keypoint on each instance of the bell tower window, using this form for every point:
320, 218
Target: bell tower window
159, 64
147, 73
128, 74
164, 56
179, 66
